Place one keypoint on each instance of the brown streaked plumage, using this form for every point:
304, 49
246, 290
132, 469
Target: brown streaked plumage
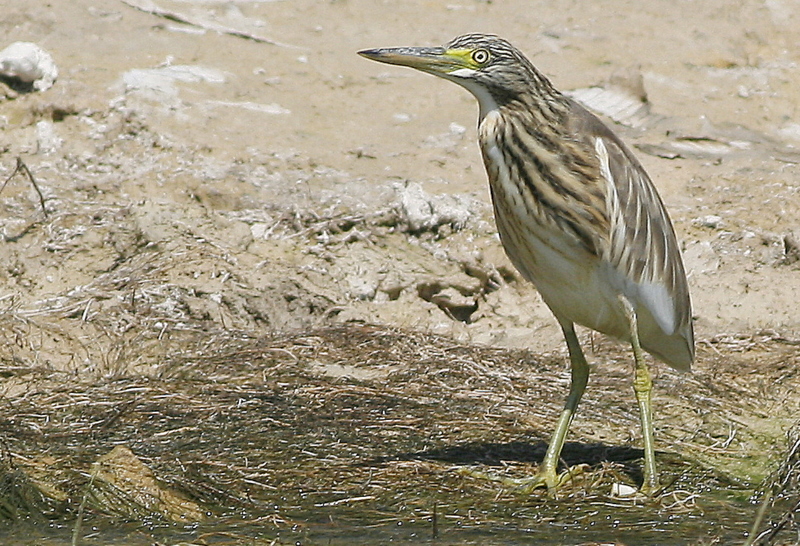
577, 214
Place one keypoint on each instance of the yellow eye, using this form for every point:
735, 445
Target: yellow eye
480, 56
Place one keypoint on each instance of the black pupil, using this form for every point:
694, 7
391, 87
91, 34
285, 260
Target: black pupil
480, 56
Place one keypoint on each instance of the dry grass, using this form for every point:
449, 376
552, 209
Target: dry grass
372, 428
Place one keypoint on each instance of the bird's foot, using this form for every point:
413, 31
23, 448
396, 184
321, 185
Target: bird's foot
550, 480
526, 486
650, 488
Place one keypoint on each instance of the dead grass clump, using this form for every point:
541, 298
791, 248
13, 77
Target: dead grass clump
781, 499
367, 427
24, 500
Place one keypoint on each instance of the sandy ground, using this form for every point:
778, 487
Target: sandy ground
272, 166
198, 180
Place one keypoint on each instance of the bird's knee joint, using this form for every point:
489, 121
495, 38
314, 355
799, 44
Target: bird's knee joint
642, 384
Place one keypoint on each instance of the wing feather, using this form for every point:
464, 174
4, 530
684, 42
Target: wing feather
642, 246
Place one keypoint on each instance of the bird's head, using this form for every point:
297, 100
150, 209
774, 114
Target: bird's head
488, 66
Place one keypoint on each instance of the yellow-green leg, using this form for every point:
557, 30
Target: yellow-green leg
643, 387
548, 471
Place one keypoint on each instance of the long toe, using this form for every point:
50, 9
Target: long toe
551, 480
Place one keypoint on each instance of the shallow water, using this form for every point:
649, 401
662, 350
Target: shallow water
535, 521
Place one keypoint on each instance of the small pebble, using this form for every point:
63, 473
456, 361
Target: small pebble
711, 221
622, 490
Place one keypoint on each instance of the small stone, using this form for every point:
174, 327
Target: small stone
28, 63
622, 490
711, 221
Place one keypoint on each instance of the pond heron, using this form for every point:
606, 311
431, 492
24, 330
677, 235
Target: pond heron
577, 215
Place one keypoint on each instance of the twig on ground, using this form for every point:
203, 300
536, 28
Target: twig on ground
148, 6
22, 167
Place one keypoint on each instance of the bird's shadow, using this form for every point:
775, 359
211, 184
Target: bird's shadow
497, 454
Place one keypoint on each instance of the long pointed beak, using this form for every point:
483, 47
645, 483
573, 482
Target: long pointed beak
434, 60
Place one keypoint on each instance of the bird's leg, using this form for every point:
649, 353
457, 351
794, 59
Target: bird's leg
643, 387
548, 475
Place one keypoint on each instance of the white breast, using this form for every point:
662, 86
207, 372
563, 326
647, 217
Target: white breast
574, 283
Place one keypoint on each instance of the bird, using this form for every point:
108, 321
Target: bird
578, 216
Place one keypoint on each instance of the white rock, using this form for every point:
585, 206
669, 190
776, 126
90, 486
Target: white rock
622, 490
160, 83
425, 212
28, 63
46, 138
711, 221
